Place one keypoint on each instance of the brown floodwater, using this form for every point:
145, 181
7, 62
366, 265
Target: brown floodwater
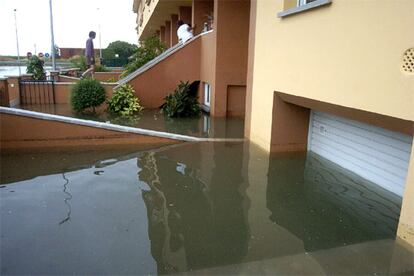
196, 208
201, 126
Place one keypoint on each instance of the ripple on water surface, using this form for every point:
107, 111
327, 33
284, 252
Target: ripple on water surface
212, 208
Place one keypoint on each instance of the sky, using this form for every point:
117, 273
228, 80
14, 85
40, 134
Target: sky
72, 21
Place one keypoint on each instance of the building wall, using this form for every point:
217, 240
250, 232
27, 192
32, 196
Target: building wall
20, 132
231, 25
344, 58
207, 62
308, 55
153, 85
406, 224
201, 11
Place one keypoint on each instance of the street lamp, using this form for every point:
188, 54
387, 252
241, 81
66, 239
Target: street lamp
52, 37
17, 41
99, 30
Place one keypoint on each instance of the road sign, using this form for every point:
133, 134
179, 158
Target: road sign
47, 55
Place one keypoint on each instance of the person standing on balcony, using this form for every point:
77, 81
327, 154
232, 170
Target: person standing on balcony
90, 55
184, 32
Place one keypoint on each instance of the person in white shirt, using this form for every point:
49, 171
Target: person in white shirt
184, 32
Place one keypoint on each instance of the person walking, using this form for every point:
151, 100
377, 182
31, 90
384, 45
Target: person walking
90, 55
184, 31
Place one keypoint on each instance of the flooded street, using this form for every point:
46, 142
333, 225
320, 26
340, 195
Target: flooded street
222, 208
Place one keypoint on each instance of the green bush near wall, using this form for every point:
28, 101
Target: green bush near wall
180, 103
35, 67
124, 102
87, 93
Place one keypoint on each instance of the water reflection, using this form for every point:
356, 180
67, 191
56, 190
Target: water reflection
66, 200
326, 206
209, 208
193, 225
201, 126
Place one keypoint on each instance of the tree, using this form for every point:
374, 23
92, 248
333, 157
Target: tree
121, 48
150, 49
35, 67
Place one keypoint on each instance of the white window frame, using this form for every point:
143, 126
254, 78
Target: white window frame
207, 94
304, 2
206, 124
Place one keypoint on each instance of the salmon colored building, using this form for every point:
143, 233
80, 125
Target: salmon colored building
335, 77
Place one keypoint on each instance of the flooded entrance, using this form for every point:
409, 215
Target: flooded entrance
209, 208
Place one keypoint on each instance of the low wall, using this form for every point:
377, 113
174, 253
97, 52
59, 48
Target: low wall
107, 76
13, 91
63, 90
22, 132
62, 78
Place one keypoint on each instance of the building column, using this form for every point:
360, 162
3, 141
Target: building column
406, 223
162, 35
158, 34
185, 14
231, 28
168, 33
173, 31
201, 11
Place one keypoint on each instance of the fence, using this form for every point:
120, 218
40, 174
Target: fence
37, 92
115, 62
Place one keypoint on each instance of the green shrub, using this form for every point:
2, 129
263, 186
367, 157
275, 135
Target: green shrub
79, 62
124, 102
87, 93
181, 103
35, 67
150, 49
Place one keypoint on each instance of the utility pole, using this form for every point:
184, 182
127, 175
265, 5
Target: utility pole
17, 41
52, 37
99, 29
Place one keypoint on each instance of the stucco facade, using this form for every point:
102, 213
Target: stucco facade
345, 58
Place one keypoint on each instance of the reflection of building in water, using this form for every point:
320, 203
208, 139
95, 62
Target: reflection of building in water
192, 225
326, 206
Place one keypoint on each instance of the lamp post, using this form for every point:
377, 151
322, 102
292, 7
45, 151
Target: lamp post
17, 41
99, 30
52, 37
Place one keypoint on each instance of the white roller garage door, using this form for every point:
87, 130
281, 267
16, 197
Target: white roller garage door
377, 154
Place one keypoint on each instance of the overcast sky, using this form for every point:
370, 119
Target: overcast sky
72, 21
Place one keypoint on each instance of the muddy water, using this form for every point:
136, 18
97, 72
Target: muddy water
208, 208
153, 119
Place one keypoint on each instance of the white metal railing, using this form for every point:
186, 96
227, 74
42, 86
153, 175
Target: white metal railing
158, 59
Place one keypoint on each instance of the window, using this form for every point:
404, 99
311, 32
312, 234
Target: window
292, 7
304, 2
206, 94
206, 124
